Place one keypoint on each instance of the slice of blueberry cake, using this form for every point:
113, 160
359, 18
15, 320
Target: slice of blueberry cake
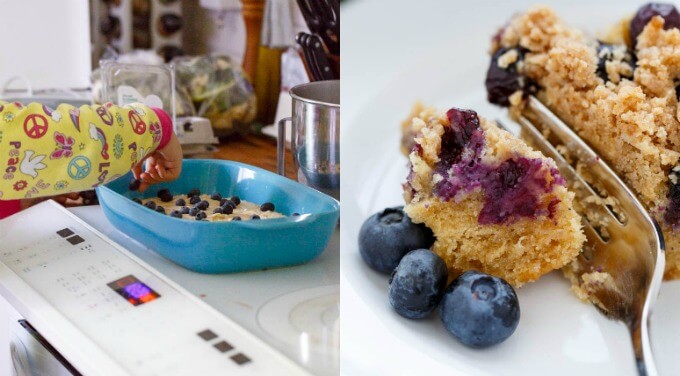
493, 204
620, 94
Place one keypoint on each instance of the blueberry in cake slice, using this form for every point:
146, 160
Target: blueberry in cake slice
493, 204
620, 94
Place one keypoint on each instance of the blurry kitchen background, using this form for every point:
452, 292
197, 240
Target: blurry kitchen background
233, 61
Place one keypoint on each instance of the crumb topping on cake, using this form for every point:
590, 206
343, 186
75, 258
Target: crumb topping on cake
620, 96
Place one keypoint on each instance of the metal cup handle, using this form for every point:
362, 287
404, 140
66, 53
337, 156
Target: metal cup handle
281, 147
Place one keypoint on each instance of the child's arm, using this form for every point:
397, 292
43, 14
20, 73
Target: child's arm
45, 152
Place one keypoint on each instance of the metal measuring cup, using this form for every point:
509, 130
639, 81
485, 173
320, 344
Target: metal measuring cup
315, 136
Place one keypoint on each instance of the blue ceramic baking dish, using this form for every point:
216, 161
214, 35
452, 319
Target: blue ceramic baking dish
225, 247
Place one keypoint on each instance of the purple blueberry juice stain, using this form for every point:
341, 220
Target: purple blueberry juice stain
511, 189
464, 135
671, 213
552, 207
499, 34
461, 147
409, 179
418, 149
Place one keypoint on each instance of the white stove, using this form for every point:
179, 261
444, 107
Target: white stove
111, 306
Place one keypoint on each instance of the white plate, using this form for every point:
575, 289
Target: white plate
393, 54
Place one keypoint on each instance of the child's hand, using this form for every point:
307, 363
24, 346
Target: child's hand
67, 200
161, 166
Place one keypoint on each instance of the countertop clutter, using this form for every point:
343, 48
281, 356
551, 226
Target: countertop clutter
100, 285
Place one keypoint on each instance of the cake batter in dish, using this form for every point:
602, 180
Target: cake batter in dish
619, 94
245, 210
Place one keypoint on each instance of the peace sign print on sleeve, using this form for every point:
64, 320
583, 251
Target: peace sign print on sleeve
35, 126
105, 115
79, 167
138, 125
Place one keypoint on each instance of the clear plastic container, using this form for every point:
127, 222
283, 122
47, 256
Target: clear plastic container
152, 85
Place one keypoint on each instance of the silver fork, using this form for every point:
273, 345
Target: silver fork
622, 238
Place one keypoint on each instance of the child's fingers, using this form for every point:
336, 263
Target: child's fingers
63, 198
161, 171
143, 186
153, 174
150, 161
172, 170
137, 170
147, 181
68, 199
73, 195
150, 178
171, 165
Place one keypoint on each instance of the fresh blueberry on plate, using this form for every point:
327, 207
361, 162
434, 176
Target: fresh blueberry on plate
176, 214
216, 196
194, 192
227, 209
201, 215
150, 204
388, 235
160, 209
236, 219
194, 200
194, 211
203, 205
218, 211
184, 210
417, 284
255, 216
134, 184
236, 200
180, 202
135, 199
267, 206
480, 310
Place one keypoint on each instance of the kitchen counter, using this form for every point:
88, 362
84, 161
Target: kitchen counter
257, 150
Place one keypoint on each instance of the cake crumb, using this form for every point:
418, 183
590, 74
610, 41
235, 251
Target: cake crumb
508, 58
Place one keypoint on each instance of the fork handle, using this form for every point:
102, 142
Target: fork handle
642, 348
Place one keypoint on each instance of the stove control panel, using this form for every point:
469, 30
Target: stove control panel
145, 323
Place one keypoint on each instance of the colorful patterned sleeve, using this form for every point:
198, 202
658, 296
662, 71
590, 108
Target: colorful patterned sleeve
46, 152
